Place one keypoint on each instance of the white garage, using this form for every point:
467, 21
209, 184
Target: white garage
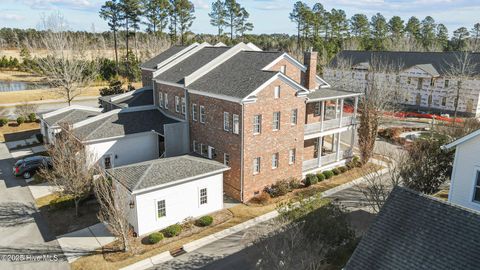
165, 191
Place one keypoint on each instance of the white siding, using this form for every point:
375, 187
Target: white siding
182, 201
130, 149
466, 163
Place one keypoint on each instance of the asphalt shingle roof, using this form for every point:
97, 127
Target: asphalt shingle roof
124, 123
238, 76
138, 98
414, 231
441, 61
325, 93
70, 117
189, 65
164, 170
152, 63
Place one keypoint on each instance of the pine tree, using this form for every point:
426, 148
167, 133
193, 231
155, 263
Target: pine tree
475, 35
183, 13
297, 16
379, 30
359, 26
459, 38
156, 13
218, 16
111, 12
242, 24
396, 28
442, 36
427, 31
413, 28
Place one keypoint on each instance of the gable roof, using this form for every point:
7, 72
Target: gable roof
238, 76
139, 97
153, 62
178, 72
118, 123
70, 116
158, 172
440, 61
462, 140
415, 231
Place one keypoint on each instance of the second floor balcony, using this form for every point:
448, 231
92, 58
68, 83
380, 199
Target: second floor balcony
326, 125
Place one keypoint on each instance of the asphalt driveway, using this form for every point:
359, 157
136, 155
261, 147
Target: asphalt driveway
24, 236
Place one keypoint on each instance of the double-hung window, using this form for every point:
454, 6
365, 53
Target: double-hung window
160, 99
276, 120
177, 104
257, 124
256, 165
226, 159
275, 161
318, 108
226, 121
476, 193
202, 114
236, 124
184, 106
291, 156
204, 150
161, 209
293, 117
194, 112
277, 92
203, 196
166, 100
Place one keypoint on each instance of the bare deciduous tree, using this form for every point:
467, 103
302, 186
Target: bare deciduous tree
114, 209
25, 109
460, 70
71, 172
152, 45
66, 66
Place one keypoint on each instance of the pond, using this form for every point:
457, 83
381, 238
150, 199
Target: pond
8, 86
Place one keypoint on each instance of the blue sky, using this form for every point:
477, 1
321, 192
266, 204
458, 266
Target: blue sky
268, 16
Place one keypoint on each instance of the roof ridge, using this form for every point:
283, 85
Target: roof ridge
68, 114
103, 123
143, 176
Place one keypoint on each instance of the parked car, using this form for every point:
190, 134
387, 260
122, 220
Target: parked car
27, 167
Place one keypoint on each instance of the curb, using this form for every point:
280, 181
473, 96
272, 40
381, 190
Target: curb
149, 262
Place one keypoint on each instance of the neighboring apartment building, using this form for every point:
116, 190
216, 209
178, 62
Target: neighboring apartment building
465, 180
423, 79
264, 114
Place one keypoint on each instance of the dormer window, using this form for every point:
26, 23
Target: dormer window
283, 69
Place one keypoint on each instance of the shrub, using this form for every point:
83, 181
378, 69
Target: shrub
3, 122
328, 174
172, 230
320, 177
155, 237
343, 169
20, 120
32, 117
280, 188
336, 171
39, 137
356, 161
204, 221
62, 202
262, 198
311, 179
293, 183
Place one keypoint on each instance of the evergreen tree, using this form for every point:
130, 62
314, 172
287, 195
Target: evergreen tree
413, 28
111, 12
396, 28
318, 19
459, 38
428, 32
297, 16
338, 23
359, 26
156, 12
442, 36
242, 24
183, 12
379, 30
218, 16
475, 35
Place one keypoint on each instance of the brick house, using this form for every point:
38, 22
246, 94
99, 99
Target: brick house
262, 113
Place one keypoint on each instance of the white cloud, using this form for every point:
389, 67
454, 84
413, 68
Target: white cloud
52, 4
200, 4
11, 16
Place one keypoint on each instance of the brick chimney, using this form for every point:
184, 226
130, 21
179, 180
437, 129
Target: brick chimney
310, 60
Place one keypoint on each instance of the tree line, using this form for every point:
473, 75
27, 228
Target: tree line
332, 31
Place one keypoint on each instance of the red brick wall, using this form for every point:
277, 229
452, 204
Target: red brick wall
171, 91
147, 78
212, 133
293, 72
267, 143
310, 115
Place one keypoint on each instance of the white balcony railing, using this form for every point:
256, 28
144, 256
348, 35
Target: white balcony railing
329, 124
324, 160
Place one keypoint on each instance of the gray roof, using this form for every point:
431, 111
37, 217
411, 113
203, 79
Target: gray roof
178, 72
70, 117
238, 76
140, 97
328, 93
124, 123
152, 63
440, 61
164, 170
415, 231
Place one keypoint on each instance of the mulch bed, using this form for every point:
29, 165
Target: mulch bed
141, 245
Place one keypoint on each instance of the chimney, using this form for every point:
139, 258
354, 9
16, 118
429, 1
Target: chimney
310, 60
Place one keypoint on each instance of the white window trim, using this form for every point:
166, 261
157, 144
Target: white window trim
235, 124
202, 116
283, 69
276, 92
292, 156
194, 148
275, 158
156, 208
257, 161
226, 121
177, 104
294, 116
166, 101
259, 124
160, 99
183, 105
276, 123
225, 155
194, 112
476, 171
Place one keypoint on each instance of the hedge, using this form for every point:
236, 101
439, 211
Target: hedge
343, 169
3, 122
336, 171
172, 230
320, 177
328, 174
310, 179
204, 221
155, 237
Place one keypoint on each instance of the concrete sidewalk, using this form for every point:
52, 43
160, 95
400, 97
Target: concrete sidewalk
42, 190
85, 241
28, 151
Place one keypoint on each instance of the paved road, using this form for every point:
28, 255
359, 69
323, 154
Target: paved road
47, 107
22, 229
